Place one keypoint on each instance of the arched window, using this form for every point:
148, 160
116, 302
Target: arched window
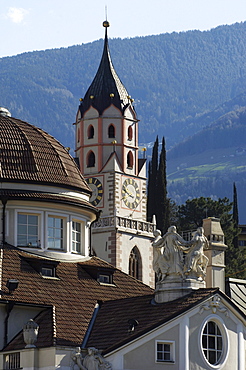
130, 133
135, 264
91, 159
90, 132
111, 131
78, 135
130, 160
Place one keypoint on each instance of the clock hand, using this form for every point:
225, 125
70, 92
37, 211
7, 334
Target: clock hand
128, 192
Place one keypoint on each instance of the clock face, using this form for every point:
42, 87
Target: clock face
97, 190
130, 193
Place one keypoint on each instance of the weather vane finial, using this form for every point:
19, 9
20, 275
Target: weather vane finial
106, 23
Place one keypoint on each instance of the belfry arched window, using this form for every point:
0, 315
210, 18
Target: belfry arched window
130, 160
135, 263
90, 132
111, 131
91, 159
129, 133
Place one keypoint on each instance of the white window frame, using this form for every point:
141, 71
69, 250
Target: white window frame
82, 223
225, 341
172, 351
80, 243
29, 211
65, 230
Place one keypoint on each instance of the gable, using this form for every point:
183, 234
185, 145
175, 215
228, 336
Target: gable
179, 324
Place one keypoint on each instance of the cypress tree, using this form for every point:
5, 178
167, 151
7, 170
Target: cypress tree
162, 207
152, 181
235, 214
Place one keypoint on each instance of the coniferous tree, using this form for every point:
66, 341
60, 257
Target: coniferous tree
162, 207
235, 206
152, 181
191, 215
235, 214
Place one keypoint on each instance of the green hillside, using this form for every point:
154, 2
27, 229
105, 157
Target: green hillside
209, 162
174, 78
181, 83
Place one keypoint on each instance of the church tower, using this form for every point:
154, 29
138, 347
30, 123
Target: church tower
107, 152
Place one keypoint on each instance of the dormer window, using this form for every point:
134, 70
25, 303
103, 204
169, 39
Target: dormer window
47, 268
103, 275
105, 278
111, 131
48, 271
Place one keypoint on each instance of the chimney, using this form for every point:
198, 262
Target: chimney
215, 276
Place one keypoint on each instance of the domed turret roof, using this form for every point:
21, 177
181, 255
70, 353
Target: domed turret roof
106, 88
28, 154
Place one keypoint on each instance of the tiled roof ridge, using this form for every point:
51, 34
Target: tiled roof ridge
211, 292
192, 293
54, 325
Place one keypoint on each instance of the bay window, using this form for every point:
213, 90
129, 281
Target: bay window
55, 232
27, 230
76, 236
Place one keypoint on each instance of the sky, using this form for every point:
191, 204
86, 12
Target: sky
29, 25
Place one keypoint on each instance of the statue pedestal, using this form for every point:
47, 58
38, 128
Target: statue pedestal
174, 287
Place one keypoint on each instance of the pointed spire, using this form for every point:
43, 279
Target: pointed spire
106, 88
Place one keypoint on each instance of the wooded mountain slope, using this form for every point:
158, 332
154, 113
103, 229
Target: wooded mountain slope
174, 78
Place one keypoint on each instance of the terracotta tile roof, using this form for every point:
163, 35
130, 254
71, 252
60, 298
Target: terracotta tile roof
11, 194
28, 154
74, 294
46, 324
111, 328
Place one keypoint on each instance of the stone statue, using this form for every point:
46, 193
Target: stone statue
196, 262
170, 262
92, 361
174, 246
160, 264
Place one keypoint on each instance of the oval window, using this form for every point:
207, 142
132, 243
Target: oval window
214, 342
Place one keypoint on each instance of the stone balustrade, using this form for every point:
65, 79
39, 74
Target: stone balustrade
126, 223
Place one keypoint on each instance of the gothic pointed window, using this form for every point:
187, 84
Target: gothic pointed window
129, 133
130, 160
111, 131
135, 264
91, 159
90, 132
